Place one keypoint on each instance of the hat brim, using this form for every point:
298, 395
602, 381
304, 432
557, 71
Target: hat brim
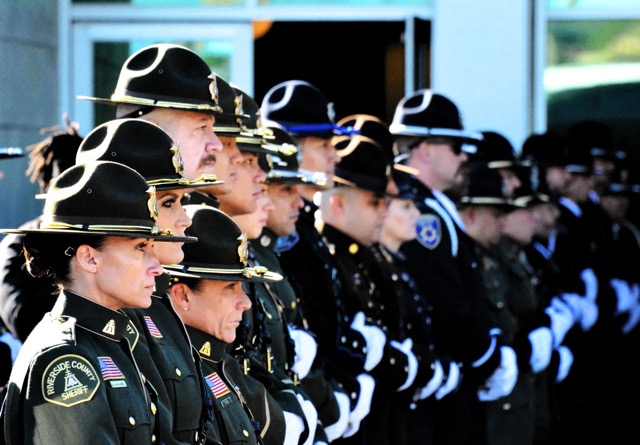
193, 185
161, 238
179, 271
416, 131
299, 177
184, 106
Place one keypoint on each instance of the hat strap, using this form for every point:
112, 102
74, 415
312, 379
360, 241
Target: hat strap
155, 230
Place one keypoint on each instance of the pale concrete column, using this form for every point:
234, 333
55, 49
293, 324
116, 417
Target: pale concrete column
481, 60
28, 96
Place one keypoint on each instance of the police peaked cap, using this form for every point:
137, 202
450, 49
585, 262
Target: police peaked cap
221, 252
301, 109
143, 146
101, 198
167, 76
427, 114
363, 164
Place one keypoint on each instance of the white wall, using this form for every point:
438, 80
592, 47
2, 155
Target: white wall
481, 61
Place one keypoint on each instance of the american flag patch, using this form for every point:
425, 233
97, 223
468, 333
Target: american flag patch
109, 369
217, 386
153, 330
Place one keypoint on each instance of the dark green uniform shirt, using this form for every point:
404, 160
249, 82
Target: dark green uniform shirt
244, 412
76, 381
164, 353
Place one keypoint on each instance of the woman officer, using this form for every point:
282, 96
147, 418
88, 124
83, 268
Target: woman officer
160, 342
75, 379
206, 290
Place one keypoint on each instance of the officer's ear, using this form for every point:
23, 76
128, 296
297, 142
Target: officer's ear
85, 256
180, 295
338, 203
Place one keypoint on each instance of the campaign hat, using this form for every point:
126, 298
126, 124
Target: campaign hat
102, 198
143, 146
285, 167
221, 253
363, 164
166, 75
301, 109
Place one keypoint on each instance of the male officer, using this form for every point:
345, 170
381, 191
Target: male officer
353, 212
304, 111
173, 87
429, 133
262, 338
407, 311
283, 188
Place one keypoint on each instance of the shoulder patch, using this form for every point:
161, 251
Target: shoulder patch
429, 230
69, 380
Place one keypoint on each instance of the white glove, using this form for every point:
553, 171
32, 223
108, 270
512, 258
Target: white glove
503, 379
375, 338
566, 360
433, 384
562, 319
585, 310
590, 284
294, 427
306, 349
632, 321
405, 347
626, 296
453, 380
590, 313
336, 430
311, 414
541, 348
363, 405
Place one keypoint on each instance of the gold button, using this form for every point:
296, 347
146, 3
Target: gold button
353, 249
178, 372
153, 408
246, 433
506, 406
132, 421
144, 379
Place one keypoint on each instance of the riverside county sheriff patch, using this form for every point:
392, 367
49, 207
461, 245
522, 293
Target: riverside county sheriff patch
429, 230
69, 380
